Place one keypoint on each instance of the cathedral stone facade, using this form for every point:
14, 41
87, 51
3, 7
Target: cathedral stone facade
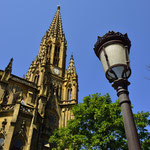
33, 106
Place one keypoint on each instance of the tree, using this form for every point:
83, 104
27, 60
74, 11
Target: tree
98, 124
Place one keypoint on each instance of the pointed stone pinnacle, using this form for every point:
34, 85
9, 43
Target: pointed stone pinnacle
56, 29
71, 68
9, 66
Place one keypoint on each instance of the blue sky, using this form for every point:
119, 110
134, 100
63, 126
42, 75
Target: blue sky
24, 22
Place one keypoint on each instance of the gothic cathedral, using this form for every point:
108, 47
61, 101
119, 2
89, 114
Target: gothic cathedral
33, 106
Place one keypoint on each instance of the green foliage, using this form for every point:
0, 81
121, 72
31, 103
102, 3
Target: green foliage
98, 125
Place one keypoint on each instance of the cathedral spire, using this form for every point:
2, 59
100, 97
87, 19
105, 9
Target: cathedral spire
52, 52
55, 28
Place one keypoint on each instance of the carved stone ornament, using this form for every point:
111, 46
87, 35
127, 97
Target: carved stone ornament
8, 107
26, 109
2, 129
5, 97
111, 35
22, 130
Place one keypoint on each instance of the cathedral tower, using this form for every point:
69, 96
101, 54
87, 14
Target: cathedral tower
32, 107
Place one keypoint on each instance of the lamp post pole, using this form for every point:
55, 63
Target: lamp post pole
121, 86
113, 51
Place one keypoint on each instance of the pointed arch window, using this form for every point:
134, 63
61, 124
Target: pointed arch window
2, 138
56, 55
36, 79
1, 141
69, 94
49, 49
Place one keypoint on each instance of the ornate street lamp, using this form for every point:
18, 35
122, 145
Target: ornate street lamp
113, 51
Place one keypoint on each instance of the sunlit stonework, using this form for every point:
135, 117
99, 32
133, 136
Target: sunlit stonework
33, 106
